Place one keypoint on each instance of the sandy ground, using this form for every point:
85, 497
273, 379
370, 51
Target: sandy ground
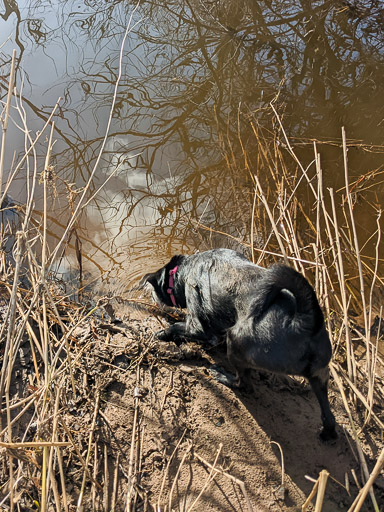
199, 445
168, 437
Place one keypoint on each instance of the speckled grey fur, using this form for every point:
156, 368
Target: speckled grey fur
270, 316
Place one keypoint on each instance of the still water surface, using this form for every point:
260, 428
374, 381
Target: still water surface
195, 75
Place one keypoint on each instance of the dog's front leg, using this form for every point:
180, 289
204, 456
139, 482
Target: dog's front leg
180, 331
241, 380
173, 332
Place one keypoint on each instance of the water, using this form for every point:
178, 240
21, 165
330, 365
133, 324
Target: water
195, 74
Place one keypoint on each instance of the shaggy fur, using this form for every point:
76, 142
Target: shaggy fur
270, 316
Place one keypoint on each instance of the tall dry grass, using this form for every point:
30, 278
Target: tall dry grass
321, 240
322, 243
33, 311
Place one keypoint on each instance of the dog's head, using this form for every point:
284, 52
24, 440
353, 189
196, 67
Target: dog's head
159, 282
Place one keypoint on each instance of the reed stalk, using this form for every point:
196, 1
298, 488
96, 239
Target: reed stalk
237, 481
341, 278
131, 464
359, 501
271, 219
208, 481
321, 490
90, 442
90, 180
31, 148
5, 121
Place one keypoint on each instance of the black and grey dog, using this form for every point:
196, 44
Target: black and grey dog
270, 316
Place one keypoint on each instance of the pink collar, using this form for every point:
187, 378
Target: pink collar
170, 289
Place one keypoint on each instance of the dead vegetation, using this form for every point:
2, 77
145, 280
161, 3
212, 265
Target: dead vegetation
68, 369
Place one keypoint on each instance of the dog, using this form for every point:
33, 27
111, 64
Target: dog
270, 316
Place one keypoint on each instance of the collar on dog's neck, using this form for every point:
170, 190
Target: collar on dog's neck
170, 289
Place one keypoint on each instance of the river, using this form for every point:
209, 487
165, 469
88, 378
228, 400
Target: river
197, 79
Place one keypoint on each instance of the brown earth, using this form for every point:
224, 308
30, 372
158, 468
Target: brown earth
168, 437
195, 439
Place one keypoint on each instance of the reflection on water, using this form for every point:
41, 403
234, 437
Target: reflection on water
195, 74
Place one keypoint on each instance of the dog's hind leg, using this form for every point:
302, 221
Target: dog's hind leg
232, 380
240, 380
319, 384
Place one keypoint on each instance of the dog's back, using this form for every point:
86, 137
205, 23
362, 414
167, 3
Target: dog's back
283, 328
307, 316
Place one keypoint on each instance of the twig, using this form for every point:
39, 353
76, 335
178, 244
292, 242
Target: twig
62, 480
355, 436
6, 120
321, 490
133, 442
35, 444
22, 160
6, 369
240, 483
86, 471
22, 412
106, 480
80, 205
271, 219
187, 451
358, 503
245, 244
341, 277
282, 462
360, 396
312, 494
253, 226
211, 477
371, 373
167, 390
81, 459
115, 483
358, 258
95, 469
167, 469
44, 482
50, 473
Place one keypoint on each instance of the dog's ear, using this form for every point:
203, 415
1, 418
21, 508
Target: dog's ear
155, 278
174, 261
148, 278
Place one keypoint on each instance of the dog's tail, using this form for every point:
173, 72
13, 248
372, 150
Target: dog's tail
281, 277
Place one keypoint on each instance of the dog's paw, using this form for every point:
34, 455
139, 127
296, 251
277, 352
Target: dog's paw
167, 335
222, 376
163, 335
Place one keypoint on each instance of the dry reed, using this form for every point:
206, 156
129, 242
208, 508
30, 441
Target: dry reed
36, 314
